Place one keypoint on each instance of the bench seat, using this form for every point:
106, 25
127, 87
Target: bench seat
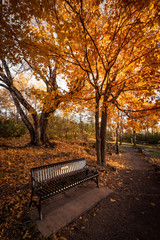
58, 185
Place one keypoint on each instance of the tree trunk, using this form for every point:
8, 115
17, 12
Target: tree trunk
97, 131
43, 127
24, 118
81, 126
134, 137
37, 141
117, 146
121, 130
120, 138
33, 112
103, 135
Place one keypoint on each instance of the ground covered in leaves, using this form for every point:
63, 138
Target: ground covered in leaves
131, 212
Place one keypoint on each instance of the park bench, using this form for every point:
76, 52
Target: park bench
49, 180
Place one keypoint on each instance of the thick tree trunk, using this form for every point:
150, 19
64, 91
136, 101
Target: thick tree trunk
43, 127
103, 135
37, 129
98, 152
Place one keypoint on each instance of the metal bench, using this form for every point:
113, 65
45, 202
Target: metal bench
49, 180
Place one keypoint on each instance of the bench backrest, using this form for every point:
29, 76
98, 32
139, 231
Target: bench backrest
47, 172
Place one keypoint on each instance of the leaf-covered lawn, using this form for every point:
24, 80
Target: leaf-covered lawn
16, 162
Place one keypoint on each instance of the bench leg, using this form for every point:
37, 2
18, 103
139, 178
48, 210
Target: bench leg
30, 204
37, 205
97, 182
32, 201
40, 210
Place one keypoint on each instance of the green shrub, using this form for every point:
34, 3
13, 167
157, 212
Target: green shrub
109, 136
127, 137
147, 138
8, 128
59, 128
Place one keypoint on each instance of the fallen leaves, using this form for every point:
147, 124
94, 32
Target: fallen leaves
26, 235
86, 220
15, 179
120, 184
153, 204
116, 164
9, 163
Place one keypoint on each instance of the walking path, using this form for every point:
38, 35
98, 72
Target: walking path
131, 212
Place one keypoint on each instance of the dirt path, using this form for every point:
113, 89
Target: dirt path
132, 211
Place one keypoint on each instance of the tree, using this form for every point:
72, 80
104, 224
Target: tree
17, 52
141, 109
113, 44
37, 128
107, 47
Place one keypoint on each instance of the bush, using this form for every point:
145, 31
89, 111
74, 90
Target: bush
148, 138
109, 136
126, 137
59, 128
8, 128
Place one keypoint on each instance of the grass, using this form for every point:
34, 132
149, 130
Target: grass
153, 151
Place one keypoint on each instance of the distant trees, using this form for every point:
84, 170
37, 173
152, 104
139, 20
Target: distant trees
61, 127
106, 51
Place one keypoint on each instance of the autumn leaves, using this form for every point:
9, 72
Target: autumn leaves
107, 52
